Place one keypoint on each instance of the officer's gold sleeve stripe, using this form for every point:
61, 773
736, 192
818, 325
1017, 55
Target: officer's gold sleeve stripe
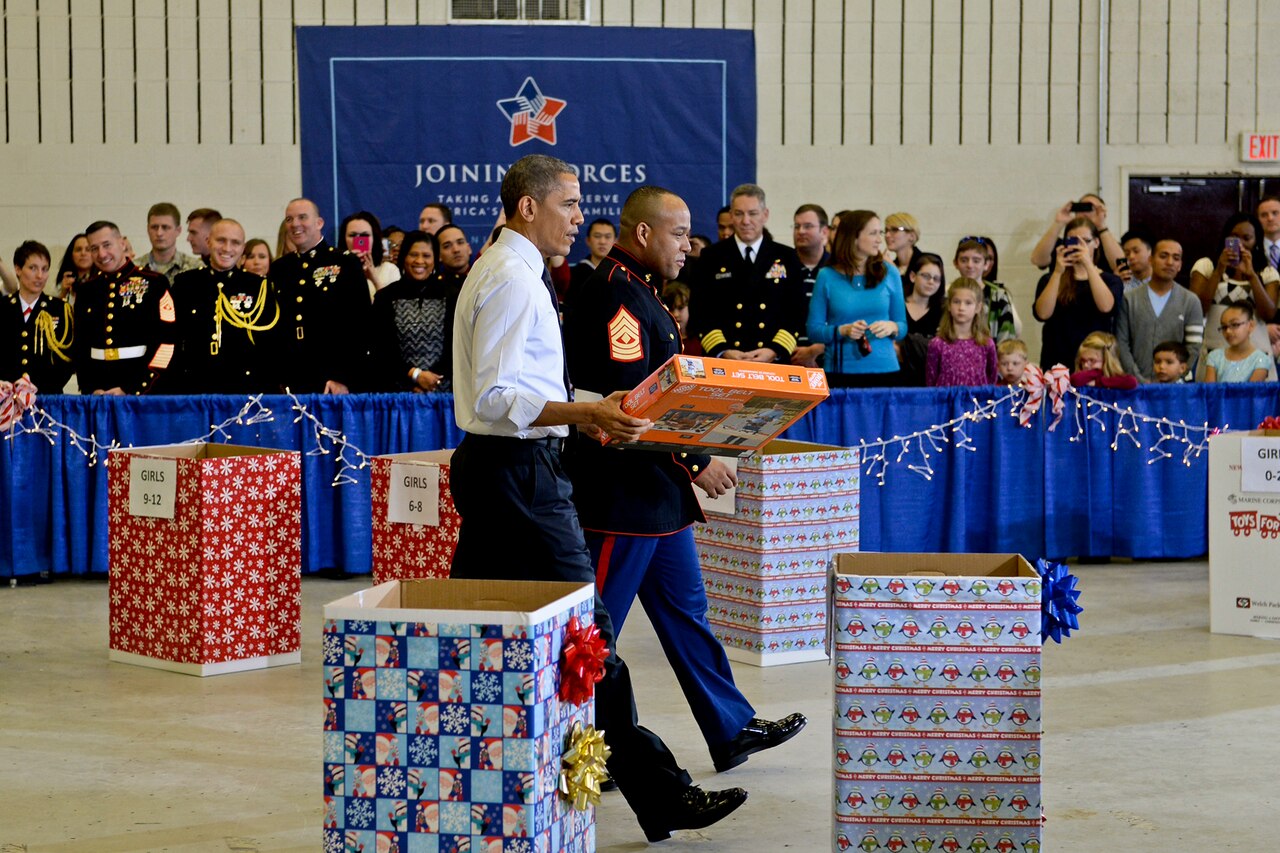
786, 340
713, 338
162, 357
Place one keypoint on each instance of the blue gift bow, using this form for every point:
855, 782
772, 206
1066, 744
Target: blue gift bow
1058, 600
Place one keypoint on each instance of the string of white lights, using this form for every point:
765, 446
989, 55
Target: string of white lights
332, 442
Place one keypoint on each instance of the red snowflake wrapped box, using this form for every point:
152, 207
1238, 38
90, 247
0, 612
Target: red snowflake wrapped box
205, 557
415, 526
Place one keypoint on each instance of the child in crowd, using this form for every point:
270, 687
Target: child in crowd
1098, 363
963, 352
1239, 360
675, 295
971, 260
1013, 359
1170, 362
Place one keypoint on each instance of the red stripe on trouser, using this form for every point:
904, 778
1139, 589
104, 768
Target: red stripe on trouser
602, 566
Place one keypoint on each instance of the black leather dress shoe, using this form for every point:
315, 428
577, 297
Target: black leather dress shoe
755, 736
694, 809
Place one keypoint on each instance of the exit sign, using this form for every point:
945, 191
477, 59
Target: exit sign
1259, 147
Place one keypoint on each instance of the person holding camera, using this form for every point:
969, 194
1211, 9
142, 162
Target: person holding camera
1077, 297
1092, 207
1241, 274
858, 306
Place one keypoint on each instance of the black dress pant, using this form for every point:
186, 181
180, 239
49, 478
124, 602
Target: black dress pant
519, 523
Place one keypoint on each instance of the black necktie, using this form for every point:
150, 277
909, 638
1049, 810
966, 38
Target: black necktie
555, 306
748, 254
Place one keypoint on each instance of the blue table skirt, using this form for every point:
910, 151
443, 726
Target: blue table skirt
1021, 489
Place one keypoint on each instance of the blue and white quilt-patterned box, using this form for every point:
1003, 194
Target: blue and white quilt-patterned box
936, 742
443, 727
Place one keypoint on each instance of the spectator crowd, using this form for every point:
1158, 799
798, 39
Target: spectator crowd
853, 293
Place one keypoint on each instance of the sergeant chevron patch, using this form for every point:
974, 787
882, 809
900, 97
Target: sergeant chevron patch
624, 337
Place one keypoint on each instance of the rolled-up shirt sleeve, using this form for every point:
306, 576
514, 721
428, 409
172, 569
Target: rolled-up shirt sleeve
504, 321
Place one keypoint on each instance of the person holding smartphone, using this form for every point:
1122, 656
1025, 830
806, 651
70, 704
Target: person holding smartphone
362, 236
1092, 207
1240, 274
1077, 297
75, 269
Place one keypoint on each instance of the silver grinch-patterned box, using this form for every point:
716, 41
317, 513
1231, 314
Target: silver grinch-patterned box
936, 741
766, 554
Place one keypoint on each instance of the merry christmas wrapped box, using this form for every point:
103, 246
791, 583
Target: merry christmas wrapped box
936, 740
205, 557
415, 525
766, 548
443, 726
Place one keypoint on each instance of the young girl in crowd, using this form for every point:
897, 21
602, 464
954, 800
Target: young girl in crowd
1012, 357
963, 352
925, 290
1239, 360
675, 295
1098, 363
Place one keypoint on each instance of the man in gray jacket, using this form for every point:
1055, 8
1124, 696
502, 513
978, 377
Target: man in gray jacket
1161, 310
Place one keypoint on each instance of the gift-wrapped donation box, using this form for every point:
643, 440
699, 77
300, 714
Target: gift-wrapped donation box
415, 525
937, 703
766, 547
443, 728
205, 557
1244, 533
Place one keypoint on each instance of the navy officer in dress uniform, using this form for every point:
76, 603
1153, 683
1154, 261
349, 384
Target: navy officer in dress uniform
124, 320
513, 401
746, 300
324, 308
227, 321
36, 329
637, 507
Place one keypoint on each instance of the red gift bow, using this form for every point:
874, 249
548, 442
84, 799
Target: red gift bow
15, 398
582, 658
1056, 382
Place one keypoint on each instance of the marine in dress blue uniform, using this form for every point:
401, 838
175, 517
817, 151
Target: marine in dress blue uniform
637, 507
36, 329
124, 320
512, 400
324, 310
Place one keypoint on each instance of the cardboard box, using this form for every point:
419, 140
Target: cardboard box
1244, 533
937, 702
205, 557
722, 406
443, 729
765, 552
415, 525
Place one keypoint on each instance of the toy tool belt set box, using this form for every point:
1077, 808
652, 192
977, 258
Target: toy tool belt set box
415, 525
722, 406
765, 550
443, 728
205, 557
937, 702
1244, 533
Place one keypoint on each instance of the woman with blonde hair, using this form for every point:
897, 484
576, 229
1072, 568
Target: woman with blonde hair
901, 233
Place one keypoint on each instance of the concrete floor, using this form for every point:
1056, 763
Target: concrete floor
1158, 735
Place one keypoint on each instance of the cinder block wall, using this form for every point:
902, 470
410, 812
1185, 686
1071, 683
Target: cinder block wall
978, 116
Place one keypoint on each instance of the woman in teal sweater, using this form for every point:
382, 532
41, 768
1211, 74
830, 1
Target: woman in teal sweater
857, 308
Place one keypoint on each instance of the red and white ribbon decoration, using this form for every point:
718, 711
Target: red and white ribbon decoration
1055, 383
15, 398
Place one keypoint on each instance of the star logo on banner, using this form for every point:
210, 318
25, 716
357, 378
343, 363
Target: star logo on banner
532, 114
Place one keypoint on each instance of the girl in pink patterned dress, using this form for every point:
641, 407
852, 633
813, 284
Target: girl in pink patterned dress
963, 352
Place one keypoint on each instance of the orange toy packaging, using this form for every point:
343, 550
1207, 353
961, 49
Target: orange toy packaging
722, 406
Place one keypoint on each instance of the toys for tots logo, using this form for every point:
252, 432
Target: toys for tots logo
1245, 522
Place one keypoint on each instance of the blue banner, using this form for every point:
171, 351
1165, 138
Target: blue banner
394, 118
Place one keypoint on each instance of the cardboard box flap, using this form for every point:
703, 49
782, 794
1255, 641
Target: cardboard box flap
786, 445
452, 600
423, 457
199, 450
942, 565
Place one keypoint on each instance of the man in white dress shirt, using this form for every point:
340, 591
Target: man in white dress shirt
512, 398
